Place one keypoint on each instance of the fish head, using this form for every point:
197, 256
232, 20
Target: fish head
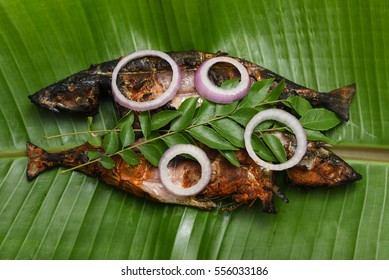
321, 167
78, 93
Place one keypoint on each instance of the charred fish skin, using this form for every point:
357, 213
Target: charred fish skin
147, 77
240, 185
79, 93
320, 167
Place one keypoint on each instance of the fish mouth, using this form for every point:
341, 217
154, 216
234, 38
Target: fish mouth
354, 177
69, 102
36, 100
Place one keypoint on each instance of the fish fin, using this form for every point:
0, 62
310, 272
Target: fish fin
339, 100
277, 190
36, 161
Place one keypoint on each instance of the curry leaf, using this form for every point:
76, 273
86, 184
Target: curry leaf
261, 149
275, 93
205, 112
256, 94
314, 135
107, 162
265, 125
93, 154
231, 83
127, 134
90, 123
244, 115
145, 123
163, 118
130, 157
111, 142
319, 119
211, 138
126, 119
231, 157
187, 109
94, 140
275, 146
225, 109
299, 104
230, 130
160, 145
151, 153
177, 138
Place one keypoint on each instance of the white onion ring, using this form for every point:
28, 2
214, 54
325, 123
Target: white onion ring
199, 155
290, 121
151, 104
210, 91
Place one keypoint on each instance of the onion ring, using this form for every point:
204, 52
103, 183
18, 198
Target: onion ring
290, 121
210, 91
151, 104
197, 153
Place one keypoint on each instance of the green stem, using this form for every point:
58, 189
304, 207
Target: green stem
282, 128
84, 132
76, 133
143, 142
118, 152
168, 133
79, 166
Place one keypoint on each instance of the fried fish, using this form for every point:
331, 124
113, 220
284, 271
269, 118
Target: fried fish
146, 78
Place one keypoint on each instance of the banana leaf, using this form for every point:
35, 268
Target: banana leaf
319, 44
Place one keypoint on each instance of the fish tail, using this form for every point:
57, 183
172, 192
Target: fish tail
38, 161
339, 100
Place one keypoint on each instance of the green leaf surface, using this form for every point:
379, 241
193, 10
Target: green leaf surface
205, 112
210, 137
256, 94
244, 115
145, 123
275, 146
151, 153
314, 135
177, 138
187, 110
94, 140
323, 45
230, 130
261, 149
319, 119
275, 93
163, 118
299, 104
227, 84
127, 134
130, 157
225, 109
231, 157
93, 154
107, 162
127, 119
111, 142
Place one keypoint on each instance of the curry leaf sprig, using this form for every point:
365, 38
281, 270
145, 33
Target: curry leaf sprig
218, 126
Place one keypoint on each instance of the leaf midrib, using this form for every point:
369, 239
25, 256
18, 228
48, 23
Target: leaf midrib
346, 152
371, 154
